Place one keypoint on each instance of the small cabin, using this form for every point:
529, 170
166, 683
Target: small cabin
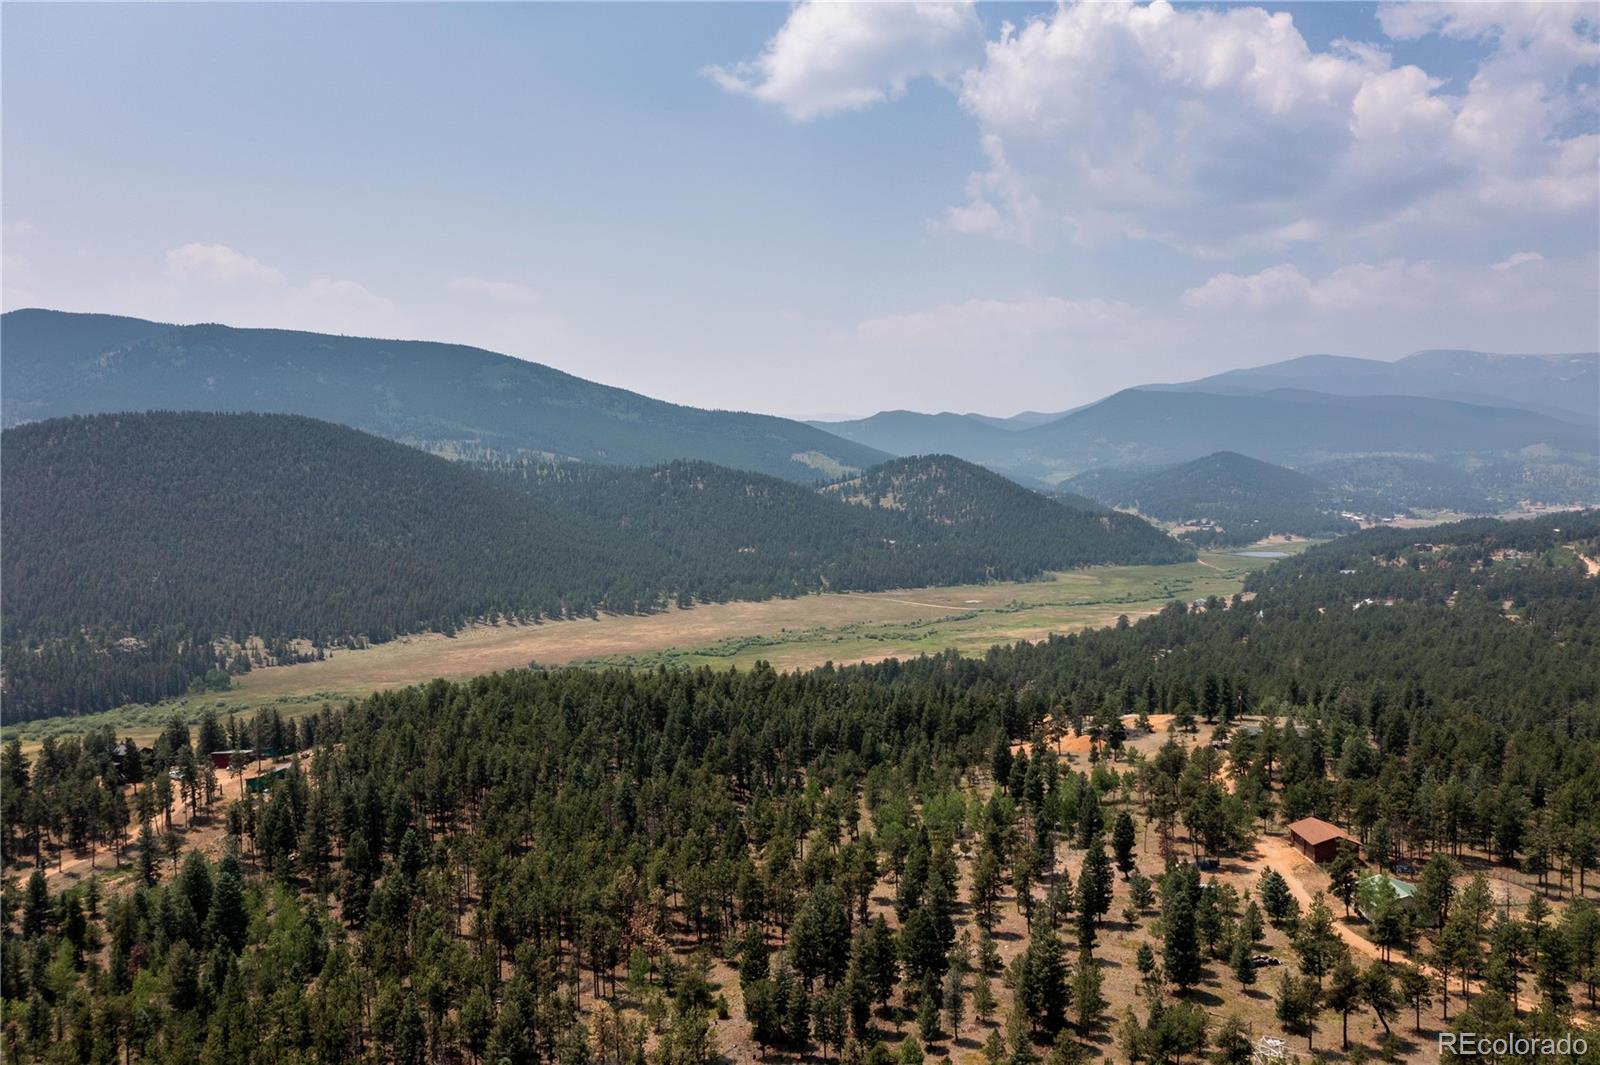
256, 785
1318, 839
1371, 889
235, 759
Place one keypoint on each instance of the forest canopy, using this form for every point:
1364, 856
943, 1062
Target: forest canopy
146, 552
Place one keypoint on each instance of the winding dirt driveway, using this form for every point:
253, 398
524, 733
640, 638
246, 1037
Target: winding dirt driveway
1274, 853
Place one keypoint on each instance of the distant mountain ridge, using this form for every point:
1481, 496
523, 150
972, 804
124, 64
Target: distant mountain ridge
445, 397
1285, 426
1528, 420
904, 432
1562, 385
1146, 427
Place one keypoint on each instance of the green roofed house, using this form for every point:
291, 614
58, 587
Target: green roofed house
1370, 892
257, 785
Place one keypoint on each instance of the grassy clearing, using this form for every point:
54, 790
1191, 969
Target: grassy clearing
789, 633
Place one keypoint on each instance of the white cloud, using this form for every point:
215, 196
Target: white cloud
1000, 204
1219, 131
506, 292
1066, 351
1070, 351
213, 282
1273, 286
1516, 259
217, 283
832, 56
504, 316
1525, 282
219, 264
331, 305
1223, 130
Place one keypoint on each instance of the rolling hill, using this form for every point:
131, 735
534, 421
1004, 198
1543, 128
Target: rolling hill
985, 508
732, 534
443, 397
1231, 497
143, 551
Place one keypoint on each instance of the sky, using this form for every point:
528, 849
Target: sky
824, 209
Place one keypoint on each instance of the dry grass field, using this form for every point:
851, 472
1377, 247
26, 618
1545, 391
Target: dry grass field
789, 633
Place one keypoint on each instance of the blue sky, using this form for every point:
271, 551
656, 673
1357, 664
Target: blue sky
819, 209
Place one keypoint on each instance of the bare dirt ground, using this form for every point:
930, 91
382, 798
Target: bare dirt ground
1275, 853
196, 828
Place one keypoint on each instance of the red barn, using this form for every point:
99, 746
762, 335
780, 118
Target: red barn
1317, 839
230, 759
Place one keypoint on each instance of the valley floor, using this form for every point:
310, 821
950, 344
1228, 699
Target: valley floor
789, 633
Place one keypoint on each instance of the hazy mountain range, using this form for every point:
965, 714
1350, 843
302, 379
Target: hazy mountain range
1285, 426
1567, 386
1530, 421
443, 397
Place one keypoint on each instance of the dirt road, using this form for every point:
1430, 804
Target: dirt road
1273, 853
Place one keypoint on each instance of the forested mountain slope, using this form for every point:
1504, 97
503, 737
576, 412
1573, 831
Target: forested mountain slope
136, 542
942, 490
445, 397
729, 534
132, 542
657, 839
1528, 564
1239, 499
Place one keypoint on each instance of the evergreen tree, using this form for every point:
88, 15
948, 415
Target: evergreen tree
1232, 1044
1379, 994
1297, 1005
1123, 835
228, 921
1180, 895
954, 1001
1344, 877
1317, 942
1276, 900
1416, 989
1043, 991
1242, 960
1088, 1003
1343, 995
